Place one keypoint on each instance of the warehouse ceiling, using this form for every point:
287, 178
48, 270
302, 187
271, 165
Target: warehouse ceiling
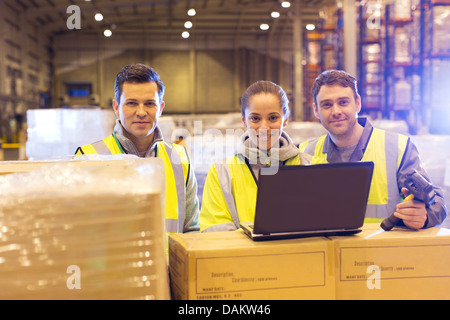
220, 19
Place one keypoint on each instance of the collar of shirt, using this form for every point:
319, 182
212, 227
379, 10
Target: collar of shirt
129, 146
332, 152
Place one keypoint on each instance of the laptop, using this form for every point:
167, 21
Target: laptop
315, 200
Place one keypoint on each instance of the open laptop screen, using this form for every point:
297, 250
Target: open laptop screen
316, 197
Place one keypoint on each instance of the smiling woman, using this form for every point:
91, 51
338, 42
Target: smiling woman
265, 113
229, 195
264, 120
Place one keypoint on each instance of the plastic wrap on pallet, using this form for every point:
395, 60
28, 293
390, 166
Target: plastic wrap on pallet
434, 150
303, 131
398, 126
53, 133
434, 153
84, 232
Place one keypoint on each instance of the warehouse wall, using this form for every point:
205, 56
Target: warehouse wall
197, 81
25, 69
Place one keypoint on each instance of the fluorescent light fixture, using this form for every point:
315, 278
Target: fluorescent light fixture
188, 24
286, 4
275, 14
107, 33
185, 34
98, 17
191, 12
310, 27
264, 26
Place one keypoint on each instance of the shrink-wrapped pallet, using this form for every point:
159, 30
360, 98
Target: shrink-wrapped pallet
84, 232
55, 133
301, 131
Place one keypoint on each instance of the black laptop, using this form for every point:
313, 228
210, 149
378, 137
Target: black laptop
316, 200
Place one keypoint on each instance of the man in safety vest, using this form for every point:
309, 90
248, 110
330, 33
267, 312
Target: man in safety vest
352, 138
138, 104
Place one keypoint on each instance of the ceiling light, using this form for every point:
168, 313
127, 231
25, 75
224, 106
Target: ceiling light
98, 17
107, 33
264, 26
188, 24
191, 12
275, 14
185, 34
310, 27
285, 4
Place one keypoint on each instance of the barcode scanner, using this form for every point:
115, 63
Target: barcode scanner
420, 189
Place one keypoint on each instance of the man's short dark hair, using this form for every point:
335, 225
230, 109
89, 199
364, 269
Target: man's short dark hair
137, 73
332, 77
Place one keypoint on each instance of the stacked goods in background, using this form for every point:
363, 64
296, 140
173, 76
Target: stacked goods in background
91, 231
57, 133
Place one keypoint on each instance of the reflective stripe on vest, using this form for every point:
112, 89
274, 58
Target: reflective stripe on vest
384, 192
223, 173
174, 222
391, 154
176, 170
243, 200
101, 147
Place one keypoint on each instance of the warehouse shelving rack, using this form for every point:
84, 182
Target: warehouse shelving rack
403, 73
371, 60
323, 50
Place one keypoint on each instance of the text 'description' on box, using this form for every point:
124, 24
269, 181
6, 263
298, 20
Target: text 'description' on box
261, 272
395, 272
228, 265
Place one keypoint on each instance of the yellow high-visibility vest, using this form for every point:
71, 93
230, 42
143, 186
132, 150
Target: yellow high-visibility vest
176, 167
386, 150
230, 194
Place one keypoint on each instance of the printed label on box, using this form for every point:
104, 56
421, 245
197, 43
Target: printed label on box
231, 274
395, 262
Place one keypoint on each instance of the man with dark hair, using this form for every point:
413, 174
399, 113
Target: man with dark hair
138, 104
352, 138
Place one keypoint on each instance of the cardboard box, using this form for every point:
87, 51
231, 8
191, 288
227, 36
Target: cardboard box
396, 264
229, 265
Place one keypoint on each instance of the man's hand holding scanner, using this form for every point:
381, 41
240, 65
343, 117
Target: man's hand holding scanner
412, 212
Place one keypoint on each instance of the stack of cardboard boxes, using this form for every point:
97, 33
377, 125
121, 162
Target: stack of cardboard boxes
374, 264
